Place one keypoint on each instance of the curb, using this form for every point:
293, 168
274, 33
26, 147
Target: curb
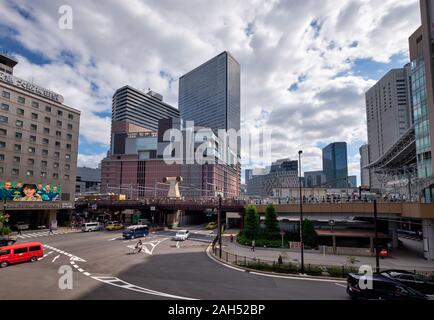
272, 274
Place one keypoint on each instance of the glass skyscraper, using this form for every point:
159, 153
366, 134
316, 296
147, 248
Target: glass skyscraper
335, 165
210, 94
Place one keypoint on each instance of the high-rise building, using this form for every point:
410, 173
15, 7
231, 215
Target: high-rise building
209, 95
388, 111
134, 111
422, 85
38, 150
352, 182
314, 179
364, 161
335, 165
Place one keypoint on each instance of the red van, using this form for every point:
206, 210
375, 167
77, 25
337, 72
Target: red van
18, 253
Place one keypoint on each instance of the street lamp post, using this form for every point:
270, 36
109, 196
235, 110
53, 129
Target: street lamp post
301, 214
377, 253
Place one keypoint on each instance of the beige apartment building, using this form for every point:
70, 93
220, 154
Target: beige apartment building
38, 146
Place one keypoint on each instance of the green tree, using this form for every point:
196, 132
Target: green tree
309, 234
272, 231
251, 223
4, 230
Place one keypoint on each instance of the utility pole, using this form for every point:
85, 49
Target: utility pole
377, 253
301, 215
219, 225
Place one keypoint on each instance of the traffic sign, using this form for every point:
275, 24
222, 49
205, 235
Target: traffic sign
331, 222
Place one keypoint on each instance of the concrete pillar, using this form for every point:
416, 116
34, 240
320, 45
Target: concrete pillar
334, 244
371, 244
428, 238
393, 232
52, 218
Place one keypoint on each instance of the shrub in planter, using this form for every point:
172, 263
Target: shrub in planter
313, 270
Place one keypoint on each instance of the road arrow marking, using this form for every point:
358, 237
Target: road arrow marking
55, 258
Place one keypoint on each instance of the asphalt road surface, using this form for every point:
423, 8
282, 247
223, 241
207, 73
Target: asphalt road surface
104, 268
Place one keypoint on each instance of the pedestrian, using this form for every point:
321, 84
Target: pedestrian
51, 230
19, 231
280, 260
253, 245
232, 238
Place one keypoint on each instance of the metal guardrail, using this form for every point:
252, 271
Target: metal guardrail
290, 267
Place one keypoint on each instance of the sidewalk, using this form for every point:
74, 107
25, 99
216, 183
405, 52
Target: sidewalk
400, 260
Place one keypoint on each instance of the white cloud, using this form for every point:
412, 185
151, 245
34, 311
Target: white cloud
90, 161
115, 43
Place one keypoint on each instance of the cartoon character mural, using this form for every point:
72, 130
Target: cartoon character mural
17, 191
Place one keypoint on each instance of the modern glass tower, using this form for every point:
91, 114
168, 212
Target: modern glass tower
335, 165
422, 86
210, 94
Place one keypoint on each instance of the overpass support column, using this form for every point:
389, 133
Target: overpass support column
393, 232
428, 238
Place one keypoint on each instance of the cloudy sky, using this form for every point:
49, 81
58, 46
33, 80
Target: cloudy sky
305, 64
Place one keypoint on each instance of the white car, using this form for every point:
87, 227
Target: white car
181, 235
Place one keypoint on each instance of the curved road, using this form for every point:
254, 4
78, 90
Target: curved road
103, 269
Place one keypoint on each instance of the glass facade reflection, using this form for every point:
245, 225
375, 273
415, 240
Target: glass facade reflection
210, 94
335, 165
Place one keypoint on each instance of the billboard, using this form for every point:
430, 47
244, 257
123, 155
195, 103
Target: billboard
18, 191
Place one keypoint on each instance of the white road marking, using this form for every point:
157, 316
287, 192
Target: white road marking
340, 285
153, 245
80, 269
55, 258
177, 244
114, 239
39, 234
128, 286
86, 274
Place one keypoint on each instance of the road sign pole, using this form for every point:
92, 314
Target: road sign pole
377, 253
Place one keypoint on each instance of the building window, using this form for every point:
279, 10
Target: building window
29, 173
67, 156
17, 159
46, 131
47, 108
67, 166
33, 139
60, 113
18, 135
57, 144
58, 134
32, 150
44, 153
59, 123
34, 116
70, 117
66, 177
33, 127
45, 141
2, 170
20, 112
44, 163
3, 132
55, 176
47, 119
56, 155
31, 162
69, 136
21, 100
35, 104
43, 174
17, 148
68, 146
19, 123
2, 144
69, 126
3, 119
6, 95
56, 165
5, 107
2, 157
15, 172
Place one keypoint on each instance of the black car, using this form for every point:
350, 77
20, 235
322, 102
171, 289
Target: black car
6, 242
417, 282
383, 288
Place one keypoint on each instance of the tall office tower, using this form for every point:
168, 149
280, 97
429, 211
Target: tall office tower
134, 111
422, 82
388, 111
210, 94
38, 147
364, 161
335, 165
